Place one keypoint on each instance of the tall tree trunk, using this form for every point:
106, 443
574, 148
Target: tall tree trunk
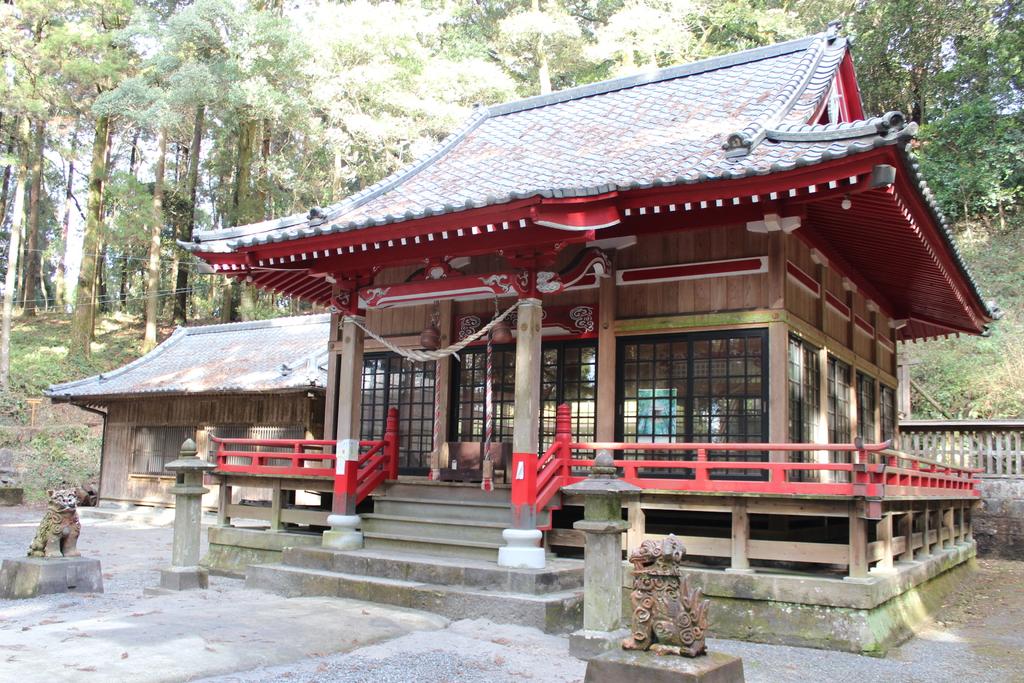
60, 295
5, 185
14, 248
85, 303
543, 67
181, 278
153, 267
32, 251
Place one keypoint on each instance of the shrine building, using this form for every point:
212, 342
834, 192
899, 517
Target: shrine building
705, 269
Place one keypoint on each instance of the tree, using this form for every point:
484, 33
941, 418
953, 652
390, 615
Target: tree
13, 249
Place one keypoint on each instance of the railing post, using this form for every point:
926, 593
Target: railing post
563, 435
701, 473
391, 443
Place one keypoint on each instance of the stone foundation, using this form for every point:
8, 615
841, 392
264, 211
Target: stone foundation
11, 495
28, 577
999, 519
233, 549
868, 616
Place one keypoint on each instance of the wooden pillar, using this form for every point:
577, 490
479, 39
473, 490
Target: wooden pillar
776, 270
925, 551
443, 370
883, 531
637, 525
740, 561
606, 358
223, 502
778, 389
858, 546
275, 506
331, 395
821, 433
947, 527
526, 421
350, 374
903, 391
907, 532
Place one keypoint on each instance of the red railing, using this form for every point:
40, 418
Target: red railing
315, 458
877, 471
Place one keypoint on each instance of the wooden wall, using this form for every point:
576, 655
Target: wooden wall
118, 483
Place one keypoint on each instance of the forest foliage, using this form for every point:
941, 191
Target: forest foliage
128, 124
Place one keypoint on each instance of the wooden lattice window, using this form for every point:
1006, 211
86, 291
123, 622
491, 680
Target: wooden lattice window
866, 399
392, 381
153, 447
804, 391
887, 412
568, 375
838, 401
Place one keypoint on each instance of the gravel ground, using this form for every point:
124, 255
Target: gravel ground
981, 637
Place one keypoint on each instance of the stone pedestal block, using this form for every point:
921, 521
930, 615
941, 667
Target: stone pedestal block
184, 578
584, 644
31, 576
11, 495
628, 665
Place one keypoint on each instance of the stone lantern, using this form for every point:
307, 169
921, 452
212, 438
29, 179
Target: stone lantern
185, 572
602, 525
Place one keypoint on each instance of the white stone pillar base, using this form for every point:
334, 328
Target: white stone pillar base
344, 533
523, 550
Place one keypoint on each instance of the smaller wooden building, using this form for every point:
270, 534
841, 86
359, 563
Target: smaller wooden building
262, 379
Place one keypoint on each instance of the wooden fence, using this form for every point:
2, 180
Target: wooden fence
995, 447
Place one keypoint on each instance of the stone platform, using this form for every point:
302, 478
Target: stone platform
866, 616
28, 577
550, 599
618, 666
233, 549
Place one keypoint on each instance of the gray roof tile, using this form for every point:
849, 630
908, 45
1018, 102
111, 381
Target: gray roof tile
282, 354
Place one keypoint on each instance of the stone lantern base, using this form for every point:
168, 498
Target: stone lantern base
28, 577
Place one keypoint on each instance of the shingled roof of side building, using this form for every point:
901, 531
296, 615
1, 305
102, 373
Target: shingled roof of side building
716, 119
277, 355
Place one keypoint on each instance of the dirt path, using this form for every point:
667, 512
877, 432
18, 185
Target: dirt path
229, 634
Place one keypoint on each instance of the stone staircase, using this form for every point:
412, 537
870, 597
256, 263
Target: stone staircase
434, 546
446, 519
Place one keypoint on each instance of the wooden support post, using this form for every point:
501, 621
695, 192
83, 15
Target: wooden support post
947, 527
740, 561
606, 359
883, 532
907, 532
926, 532
858, 546
778, 387
275, 506
331, 396
443, 370
223, 502
523, 541
637, 525
350, 374
526, 425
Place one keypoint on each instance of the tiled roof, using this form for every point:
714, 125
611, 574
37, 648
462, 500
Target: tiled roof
283, 354
698, 122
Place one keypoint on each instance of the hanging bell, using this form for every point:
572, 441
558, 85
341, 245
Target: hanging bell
501, 333
430, 337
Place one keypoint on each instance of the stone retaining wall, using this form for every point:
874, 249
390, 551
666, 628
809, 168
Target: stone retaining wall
999, 519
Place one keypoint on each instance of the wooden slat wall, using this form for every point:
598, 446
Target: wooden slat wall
118, 484
743, 292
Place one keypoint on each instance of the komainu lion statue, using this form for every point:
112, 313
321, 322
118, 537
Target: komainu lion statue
668, 617
57, 535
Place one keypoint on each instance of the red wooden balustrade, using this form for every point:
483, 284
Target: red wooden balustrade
315, 458
878, 472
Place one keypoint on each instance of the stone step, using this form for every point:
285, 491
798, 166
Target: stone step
439, 547
558, 575
443, 509
446, 491
559, 612
434, 528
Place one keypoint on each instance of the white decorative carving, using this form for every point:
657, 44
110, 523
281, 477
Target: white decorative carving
548, 282
373, 295
583, 318
500, 282
468, 324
